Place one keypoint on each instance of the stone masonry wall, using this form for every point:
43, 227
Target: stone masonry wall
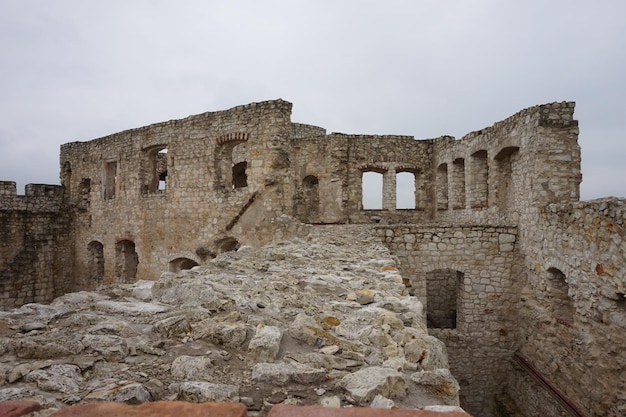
35, 250
198, 208
573, 313
485, 261
496, 242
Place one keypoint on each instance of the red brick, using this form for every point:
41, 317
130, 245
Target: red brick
281, 410
154, 409
18, 408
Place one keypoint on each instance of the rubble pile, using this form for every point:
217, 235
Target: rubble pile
321, 320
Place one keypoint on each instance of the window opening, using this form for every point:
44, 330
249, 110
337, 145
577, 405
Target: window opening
442, 187
405, 190
458, 184
240, 178
443, 298
479, 180
372, 190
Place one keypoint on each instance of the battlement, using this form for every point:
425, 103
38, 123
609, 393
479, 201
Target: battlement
37, 198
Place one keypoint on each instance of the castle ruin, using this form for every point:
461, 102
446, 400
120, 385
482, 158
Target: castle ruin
523, 282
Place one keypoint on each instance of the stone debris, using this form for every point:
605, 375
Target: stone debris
324, 320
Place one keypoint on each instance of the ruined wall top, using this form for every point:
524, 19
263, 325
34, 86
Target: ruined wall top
37, 198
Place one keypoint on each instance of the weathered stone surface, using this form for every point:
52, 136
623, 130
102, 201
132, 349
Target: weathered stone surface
47, 347
427, 351
226, 334
283, 303
192, 368
60, 378
112, 347
365, 384
128, 392
441, 385
200, 392
264, 345
282, 373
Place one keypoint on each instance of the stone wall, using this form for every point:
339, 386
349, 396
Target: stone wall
35, 245
496, 243
224, 177
480, 265
572, 317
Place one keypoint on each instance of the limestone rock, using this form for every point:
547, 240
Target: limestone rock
110, 347
200, 392
177, 326
365, 384
281, 373
428, 351
131, 308
128, 392
228, 335
57, 378
264, 345
440, 383
381, 402
45, 347
192, 367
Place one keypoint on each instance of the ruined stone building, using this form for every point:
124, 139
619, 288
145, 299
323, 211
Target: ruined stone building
523, 282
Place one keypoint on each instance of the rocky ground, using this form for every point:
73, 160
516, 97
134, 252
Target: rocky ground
320, 320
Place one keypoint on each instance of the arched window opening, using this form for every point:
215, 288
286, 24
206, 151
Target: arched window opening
240, 178
227, 245
154, 169
558, 298
84, 189
126, 261
442, 187
405, 190
372, 190
180, 264
95, 262
458, 184
161, 169
443, 298
505, 189
232, 165
479, 180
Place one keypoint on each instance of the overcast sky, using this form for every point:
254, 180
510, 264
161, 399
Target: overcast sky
78, 70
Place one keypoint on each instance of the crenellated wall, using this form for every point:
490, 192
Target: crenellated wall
36, 256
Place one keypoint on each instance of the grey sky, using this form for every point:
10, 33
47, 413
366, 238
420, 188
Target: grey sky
77, 70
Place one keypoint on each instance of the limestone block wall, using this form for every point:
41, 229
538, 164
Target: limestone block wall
572, 323
35, 245
176, 193
527, 160
474, 271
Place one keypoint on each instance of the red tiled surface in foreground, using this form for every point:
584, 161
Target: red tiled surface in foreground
186, 409
17, 408
155, 409
281, 410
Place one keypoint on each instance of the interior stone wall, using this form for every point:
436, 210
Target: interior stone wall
483, 341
